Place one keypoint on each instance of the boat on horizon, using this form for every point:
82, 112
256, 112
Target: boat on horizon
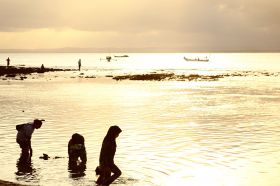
197, 59
121, 56
108, 58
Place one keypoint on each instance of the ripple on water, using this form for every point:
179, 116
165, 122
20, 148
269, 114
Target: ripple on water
187, 136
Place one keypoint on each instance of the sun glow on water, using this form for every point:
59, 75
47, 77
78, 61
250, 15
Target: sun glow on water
200, 176
175, 133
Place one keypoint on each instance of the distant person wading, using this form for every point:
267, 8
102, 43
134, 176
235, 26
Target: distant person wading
79, 64
8, 61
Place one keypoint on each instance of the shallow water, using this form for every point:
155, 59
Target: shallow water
223, 132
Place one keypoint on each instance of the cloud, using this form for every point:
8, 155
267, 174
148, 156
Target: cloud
209, 24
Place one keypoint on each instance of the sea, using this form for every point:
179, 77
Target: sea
219, 131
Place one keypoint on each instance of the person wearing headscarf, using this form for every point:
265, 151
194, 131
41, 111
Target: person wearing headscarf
77, 149
107, 165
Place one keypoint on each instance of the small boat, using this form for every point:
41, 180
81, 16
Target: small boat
197, 59
121, 56
108, 58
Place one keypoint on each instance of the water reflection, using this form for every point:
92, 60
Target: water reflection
25, 171
76, 170
199, 134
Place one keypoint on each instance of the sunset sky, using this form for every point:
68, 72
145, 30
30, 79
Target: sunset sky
156, 25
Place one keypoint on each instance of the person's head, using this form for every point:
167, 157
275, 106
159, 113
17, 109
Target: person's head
78, 139
113, 132
37, 123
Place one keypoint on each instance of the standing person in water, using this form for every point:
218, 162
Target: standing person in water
106, 158
79, 64
8, 61
24, 135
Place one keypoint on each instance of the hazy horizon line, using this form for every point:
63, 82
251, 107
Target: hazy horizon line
134, 50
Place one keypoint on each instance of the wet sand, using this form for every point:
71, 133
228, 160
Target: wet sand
7, 183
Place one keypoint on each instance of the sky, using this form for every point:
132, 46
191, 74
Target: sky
146, 25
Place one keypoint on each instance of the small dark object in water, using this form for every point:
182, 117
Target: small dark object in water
45, 157
90, 77
57, 157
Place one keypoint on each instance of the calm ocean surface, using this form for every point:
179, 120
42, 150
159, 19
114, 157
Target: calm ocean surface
221, 132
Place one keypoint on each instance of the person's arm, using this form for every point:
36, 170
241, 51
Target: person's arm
30, 148
84, 156
69, 145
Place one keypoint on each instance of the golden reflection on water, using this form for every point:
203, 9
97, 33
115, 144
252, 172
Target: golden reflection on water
174, 133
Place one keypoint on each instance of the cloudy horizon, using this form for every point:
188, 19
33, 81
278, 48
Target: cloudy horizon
160, 25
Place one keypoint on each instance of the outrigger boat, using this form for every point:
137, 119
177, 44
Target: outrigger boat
197, 59
121, 56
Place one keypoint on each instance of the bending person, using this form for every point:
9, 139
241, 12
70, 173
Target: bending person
24, 135
77, 149
106, 159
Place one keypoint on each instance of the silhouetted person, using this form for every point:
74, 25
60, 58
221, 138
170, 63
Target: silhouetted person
24, 135
79, 64
106, 158
42, 69
8, 61
77, 149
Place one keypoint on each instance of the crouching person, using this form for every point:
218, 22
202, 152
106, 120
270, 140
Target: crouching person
77, 149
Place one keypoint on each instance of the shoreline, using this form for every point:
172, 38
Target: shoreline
8, 183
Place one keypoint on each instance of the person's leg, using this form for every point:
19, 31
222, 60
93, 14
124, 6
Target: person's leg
116, 173
24, 151
104, 174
